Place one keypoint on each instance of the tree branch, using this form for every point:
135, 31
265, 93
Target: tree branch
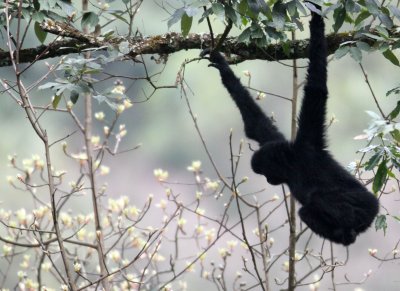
174, 42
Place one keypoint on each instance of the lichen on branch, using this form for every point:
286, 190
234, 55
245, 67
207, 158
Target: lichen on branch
75, 42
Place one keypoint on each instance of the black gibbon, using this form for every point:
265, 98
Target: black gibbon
334, 204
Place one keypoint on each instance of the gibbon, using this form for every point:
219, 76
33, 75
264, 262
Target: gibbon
334, 204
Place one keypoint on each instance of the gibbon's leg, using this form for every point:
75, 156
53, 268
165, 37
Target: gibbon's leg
257, 126
332, 215
313, 109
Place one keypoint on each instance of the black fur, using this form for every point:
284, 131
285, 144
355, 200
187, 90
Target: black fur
334, 204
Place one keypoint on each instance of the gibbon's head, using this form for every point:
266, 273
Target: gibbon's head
273, 161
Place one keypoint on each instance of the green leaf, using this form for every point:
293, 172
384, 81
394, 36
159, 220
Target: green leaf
261, 42
231, 14
205, 14
380, 177
26, 13
245, 35
363, 46
350, 6
373, 36
372, 7
356, 54
245, 11
332, 7
243, 7
89, 19
386, 21
373, 161
291, 7
257, 6
396, 135
380, 223
339, 15
300, 7
74, 96
395, 11
218, 9
256, 31
56, 100
341, 51
286, 48
40, 33
82, 87
391, 57
395, 90
272, 32
186, 24
175, 17
395, 112
391, 174
382, 32
279, 15
49, 85
383, 47
361, 17
38, 16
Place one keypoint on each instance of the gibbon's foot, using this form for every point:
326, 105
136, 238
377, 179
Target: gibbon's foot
344, 236
324, 227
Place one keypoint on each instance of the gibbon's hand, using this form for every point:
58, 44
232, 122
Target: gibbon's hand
205, 52
216, 59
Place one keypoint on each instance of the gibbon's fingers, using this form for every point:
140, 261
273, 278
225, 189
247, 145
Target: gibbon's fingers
205, 52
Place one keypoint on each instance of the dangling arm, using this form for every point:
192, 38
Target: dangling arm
257, 126
313, 110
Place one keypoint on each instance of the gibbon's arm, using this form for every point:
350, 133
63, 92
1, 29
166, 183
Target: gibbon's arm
257, 126
313, 109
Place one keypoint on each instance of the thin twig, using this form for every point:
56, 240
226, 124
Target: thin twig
372, 91
210, 28
236, 194
91, 173
224, 35
292, 219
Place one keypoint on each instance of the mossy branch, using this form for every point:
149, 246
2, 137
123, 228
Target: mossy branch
174, 42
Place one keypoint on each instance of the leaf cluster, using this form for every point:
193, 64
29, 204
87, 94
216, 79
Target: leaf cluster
78, 80
264, 22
